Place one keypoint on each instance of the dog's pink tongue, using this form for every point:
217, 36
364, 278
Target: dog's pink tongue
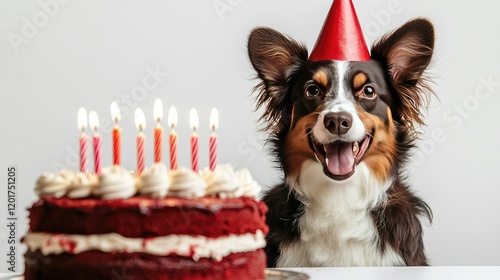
340, 158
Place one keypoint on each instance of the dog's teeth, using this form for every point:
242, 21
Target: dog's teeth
355, 147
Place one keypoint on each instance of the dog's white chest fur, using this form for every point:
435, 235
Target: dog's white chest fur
337, 228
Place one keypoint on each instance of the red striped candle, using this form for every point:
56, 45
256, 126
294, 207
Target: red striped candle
194, 123
117, 133
194, 151
97, 153
212, 147
84, 143
173, 150
141, 147
117, 136
94, 123
172, 122
158, 133
140, 122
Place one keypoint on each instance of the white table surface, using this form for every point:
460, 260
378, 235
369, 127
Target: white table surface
404, 273
394, 273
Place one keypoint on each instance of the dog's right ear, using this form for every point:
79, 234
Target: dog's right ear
275, 57
272, 53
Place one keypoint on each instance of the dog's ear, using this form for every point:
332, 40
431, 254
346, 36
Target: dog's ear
406, 53
272, 53
275, 57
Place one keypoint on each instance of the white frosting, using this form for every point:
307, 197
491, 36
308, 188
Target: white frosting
51, 184
114, 183
155, 181
250, 187
117, 183
137, 179
186, 183
223, 182
181, 245
82, 184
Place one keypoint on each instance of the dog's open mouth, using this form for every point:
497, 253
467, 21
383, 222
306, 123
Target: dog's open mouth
339, 159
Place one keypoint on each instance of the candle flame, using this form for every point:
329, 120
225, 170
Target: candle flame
115, 112
93, 120
214, 119
140, 120
194, 122
82, 119
172, 116
158, 110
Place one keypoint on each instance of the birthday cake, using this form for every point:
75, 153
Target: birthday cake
161, 224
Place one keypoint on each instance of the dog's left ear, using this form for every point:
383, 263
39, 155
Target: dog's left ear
406, 53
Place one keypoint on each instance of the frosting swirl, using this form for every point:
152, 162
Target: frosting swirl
52, 184
186, 183
155, 182
250, 187
81, 186
117, 183
114, 183
223, 182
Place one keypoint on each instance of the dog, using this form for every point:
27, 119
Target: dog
342, 133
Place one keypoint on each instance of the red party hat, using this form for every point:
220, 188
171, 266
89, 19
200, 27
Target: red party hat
341, 37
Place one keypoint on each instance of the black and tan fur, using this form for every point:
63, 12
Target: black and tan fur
307, 211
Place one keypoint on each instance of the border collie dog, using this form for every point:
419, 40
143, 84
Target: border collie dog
342, 132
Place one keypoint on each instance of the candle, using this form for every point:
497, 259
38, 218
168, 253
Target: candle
117, 133
172, 122
194, 123
158, 132
214, 123
84, 141
94, 124
140, 122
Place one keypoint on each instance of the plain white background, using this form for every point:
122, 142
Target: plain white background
56, 57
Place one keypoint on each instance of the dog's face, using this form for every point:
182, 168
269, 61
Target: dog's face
339, 112
348, 104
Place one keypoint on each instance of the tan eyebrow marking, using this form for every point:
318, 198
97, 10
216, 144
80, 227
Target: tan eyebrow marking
321, 78
359, 80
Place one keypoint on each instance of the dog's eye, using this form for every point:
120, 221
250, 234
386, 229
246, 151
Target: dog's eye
368, 92
312, 91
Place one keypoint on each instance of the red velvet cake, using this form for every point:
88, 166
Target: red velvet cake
159, 225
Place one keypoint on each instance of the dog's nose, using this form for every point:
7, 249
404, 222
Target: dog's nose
338, 123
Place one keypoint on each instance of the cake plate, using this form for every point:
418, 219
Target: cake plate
275, 274
271, 274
